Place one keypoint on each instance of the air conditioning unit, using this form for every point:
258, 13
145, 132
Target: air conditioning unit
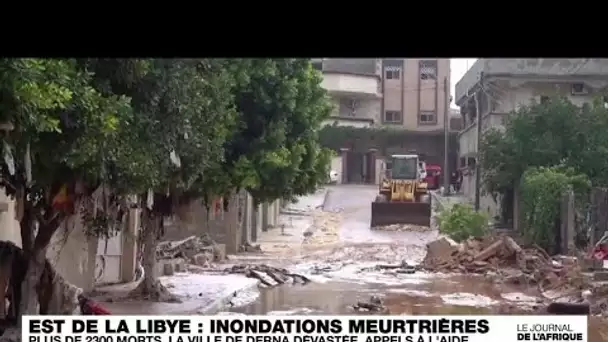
578, 89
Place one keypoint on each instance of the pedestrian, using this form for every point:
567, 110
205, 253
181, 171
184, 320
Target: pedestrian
458, 181
454, 181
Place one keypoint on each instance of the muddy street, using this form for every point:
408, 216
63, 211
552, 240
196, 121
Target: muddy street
345, 272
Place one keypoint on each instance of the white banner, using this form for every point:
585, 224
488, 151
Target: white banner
303, 328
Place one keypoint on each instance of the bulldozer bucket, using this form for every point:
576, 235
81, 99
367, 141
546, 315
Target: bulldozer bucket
387, 213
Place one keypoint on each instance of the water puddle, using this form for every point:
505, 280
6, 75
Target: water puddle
402, 294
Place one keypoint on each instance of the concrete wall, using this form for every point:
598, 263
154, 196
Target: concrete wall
574, 69
224, 226
10, 226
73, 253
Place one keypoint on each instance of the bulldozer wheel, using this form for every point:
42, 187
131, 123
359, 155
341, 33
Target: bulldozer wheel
381, 199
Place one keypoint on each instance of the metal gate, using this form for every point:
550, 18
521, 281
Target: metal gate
108, 262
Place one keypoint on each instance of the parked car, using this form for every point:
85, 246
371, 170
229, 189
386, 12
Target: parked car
333, 177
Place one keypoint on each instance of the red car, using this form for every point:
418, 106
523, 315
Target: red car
433, 172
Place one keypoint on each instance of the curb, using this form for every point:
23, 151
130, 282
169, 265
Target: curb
219, 304
325, 198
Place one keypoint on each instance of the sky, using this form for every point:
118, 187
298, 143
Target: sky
459, 67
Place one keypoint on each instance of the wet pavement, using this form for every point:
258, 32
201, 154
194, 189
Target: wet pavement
340, 259
344, 273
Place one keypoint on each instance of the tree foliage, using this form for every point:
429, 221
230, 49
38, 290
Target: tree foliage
555, 133
274, 151
171, 130
461, 222
542, 191
547, 149
361, 139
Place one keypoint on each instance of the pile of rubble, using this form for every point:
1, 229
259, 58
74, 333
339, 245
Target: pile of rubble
503, 256
374, 305
267, 275
404, 228
198, 250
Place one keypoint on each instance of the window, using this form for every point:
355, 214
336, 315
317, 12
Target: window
392, 116
392, 73
427, 118
318, 65
544, 99
404, 168
428, 70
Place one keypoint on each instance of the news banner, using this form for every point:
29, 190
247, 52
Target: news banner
303, 328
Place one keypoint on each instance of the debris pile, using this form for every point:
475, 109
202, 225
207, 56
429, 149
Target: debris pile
375, 305
404, 228
249, 248
502, 255
198, 250
267, 275
400, 268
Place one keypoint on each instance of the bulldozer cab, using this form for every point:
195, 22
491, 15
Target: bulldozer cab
403, 197
404, 167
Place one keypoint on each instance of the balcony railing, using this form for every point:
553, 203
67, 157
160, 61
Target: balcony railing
352, 85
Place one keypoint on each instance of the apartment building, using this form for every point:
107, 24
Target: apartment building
403, 94
500, 86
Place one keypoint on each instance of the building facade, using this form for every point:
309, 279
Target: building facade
409, 95
406, 94
492, 88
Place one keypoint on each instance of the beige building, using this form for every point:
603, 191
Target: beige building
502, 85
398, 93
403, 94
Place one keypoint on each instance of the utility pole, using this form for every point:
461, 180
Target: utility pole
446, 138
477, 164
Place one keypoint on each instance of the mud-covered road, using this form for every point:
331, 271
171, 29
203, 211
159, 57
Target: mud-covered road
343, 272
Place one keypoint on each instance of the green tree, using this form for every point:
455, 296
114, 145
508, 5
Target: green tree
542, 190
183, 114
555, 133
274, 152
53, 123
553, 146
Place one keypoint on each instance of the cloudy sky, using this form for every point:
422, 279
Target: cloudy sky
459, 66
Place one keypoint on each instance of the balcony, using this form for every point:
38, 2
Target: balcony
350, 122
351, 85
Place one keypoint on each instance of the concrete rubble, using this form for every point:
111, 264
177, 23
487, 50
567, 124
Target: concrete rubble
375, 305
202, 251
268, 276
502, 256
403, 228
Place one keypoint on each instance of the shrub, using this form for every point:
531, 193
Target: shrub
542, 190
461, 222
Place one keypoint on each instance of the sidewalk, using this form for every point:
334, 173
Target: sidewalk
199, 293
209, 293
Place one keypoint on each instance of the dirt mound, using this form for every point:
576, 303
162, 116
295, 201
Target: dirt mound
503, 256
403, 228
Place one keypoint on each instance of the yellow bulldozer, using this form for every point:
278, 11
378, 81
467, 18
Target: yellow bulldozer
403, 197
